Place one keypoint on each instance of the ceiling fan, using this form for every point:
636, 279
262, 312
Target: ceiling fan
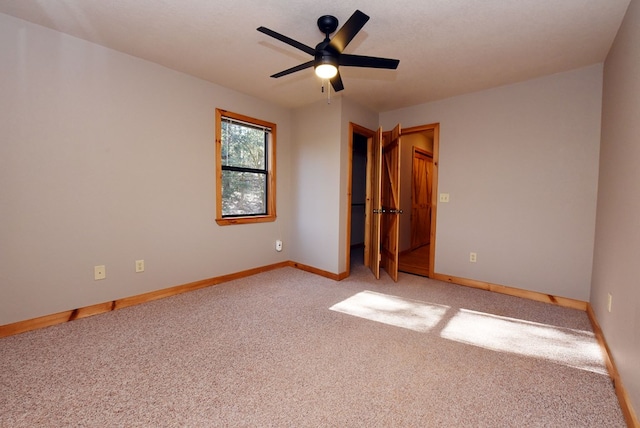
328, 54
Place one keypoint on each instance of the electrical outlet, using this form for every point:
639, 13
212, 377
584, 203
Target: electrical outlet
609, 301
278, 245
139, 266
99, 272
444, 197
473, 257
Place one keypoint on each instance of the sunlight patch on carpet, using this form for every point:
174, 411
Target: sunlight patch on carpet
569, 347
574, 348
392, 310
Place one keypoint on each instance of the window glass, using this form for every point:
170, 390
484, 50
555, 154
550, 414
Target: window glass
243, 193
243, 146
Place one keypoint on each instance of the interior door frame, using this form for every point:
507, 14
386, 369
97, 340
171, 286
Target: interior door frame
368, 133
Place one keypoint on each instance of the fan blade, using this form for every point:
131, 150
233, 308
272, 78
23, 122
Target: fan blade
367, 61
336, 82
294, 69
348, 31
287, 40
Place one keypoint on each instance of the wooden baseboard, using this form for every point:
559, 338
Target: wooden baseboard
70, 315
87, 311
623, 397
512, 291
326, 274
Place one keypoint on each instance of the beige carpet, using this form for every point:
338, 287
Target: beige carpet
290, 349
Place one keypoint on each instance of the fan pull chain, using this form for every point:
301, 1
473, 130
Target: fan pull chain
326, 82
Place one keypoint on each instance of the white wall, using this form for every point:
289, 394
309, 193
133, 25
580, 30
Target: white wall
520, 163
617, 242
106, 159
315, 185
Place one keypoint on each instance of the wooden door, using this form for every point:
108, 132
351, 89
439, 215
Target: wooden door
390, 232
421, 185
375, 205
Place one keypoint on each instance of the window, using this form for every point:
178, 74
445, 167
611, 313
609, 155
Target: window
245, 169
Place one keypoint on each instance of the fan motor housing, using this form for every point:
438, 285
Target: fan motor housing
325, 54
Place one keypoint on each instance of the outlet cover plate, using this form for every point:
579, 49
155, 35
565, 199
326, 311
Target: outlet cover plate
99, 272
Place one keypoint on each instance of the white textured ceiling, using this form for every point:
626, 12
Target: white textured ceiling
445, 47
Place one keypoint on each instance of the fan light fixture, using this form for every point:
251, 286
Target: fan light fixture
326, 71
326, 66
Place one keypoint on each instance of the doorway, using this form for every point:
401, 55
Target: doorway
423, 140
358, 195
417, 182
